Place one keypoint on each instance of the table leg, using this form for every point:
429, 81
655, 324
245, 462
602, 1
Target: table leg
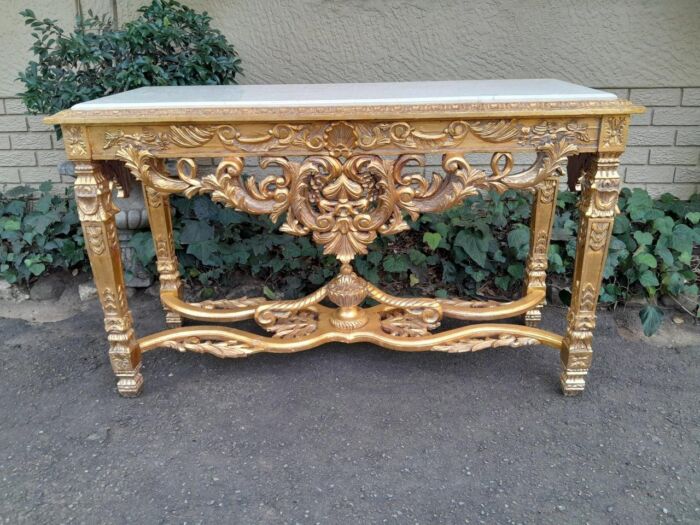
600, 186
543, 208
96, 211
160, 220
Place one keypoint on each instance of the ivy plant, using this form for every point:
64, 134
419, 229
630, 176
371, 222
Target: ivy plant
38, 235
168, 44
476, 249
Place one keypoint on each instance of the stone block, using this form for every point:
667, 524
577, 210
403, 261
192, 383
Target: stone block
691, 96
649, 174
689, 136
39, 175
635, 155
14, 106
680, 116
686, 156
689, 174
656, 96
9, 175
682, 191
30, 141
13, 123
650, 136
17, 158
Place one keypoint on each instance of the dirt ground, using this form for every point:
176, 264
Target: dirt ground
345, 434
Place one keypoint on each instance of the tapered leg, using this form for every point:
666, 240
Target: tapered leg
543, 208
97, 212
600, 186
160, 220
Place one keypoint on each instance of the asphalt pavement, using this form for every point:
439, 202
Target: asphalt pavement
344, 434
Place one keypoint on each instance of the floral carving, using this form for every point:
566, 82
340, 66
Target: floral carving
474, 344
343, 138
75, 142
614, 131
295, 324
229, 348
403, 323
344, 205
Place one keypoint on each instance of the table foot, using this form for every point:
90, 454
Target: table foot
130, 384
573, 382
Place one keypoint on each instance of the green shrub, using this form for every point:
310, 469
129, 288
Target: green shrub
169, 44
38, 236
477, 249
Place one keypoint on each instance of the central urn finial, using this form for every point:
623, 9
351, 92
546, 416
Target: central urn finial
348, 290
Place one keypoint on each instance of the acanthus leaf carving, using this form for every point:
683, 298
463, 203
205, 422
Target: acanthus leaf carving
346, 138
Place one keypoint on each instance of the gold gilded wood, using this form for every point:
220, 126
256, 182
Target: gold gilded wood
160, 220
360, 173
598, 206
96, 212
345, 204
242, 343
543, 206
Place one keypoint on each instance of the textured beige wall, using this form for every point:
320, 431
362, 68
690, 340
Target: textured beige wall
646, 50
15, 37
626, 43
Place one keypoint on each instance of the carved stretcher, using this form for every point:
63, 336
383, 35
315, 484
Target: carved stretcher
346, 164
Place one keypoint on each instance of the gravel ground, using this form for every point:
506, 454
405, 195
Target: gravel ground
344, 434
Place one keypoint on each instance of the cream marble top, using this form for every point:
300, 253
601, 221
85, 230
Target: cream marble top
348, 95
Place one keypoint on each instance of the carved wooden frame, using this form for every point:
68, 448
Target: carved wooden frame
356, 179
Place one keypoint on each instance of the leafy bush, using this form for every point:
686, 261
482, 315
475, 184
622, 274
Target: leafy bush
37, 236
169, 44
477, 249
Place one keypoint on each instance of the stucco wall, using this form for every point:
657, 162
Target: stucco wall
644, 49
626, 43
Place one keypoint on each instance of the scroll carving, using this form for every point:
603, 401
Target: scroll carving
347, 138
345, 204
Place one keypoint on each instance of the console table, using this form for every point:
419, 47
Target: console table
346, 164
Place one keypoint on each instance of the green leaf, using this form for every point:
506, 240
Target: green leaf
645, 259
416, 257
473, 245
395, 263
663, 225
639, 204
648, 279
665, 254
413, 279
674, 283
432, 239
643, 238
682, 238
693, 217
516, 270
10, 224
503, 282
36, 268
196, 231
651, 317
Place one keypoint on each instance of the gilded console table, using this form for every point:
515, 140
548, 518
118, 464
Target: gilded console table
345, 164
